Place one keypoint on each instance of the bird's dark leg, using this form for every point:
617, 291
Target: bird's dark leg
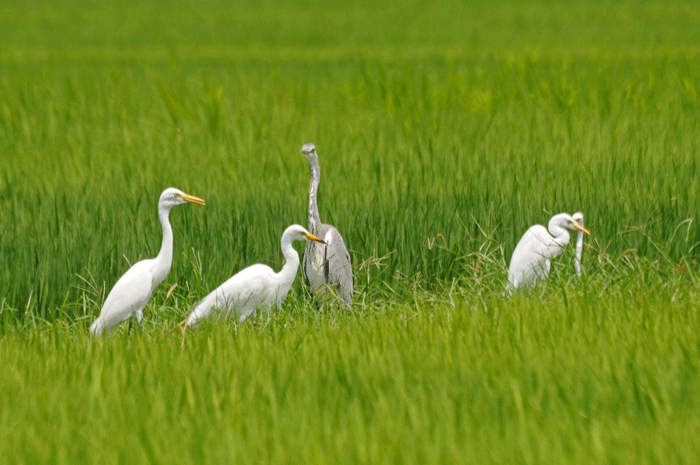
131, 322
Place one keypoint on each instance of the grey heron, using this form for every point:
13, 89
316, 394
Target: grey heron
326, 266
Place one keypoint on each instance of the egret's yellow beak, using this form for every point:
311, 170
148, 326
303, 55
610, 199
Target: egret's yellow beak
311, 237
191, 199
578, 227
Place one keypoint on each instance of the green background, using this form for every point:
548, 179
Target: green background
468, 121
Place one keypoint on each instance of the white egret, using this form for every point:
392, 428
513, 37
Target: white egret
257, 286
327, 268
129, 296
532, 256
578, 217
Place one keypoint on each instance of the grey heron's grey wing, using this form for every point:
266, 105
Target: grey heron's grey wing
337, 268
313, 263
306, 262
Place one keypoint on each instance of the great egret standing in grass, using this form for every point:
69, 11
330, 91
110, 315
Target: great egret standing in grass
532, 256
257, 286
578, 217
327, 268
129, 296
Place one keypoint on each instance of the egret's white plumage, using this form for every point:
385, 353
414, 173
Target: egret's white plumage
532, 257
257, 286
327, 268
132, 291
578, 217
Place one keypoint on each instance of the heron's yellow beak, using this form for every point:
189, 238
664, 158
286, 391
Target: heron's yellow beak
311, 237
578, 227
191, 199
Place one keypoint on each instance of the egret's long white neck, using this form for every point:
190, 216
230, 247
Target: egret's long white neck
165, 257
561, 237
289, 270
314, 219
579, 248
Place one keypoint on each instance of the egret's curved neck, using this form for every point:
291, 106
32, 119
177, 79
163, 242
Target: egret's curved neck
561, 235
314, 219
291, 265
165, 257
579, 239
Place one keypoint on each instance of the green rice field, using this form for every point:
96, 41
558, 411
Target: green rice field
443, 133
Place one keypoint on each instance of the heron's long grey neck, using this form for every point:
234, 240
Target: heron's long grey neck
314, 219
165, 257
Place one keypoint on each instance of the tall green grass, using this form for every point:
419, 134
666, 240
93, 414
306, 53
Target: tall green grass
474, 149
443, 134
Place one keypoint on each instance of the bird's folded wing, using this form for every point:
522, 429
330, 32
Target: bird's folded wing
130, 294
338, 259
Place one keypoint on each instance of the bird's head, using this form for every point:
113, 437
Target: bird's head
297, 232
171, 197
564, 220
576, 222
309, 151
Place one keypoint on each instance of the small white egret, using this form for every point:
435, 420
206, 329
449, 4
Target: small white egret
129, 296
578, 217
257, 286
327, 268
532, 256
